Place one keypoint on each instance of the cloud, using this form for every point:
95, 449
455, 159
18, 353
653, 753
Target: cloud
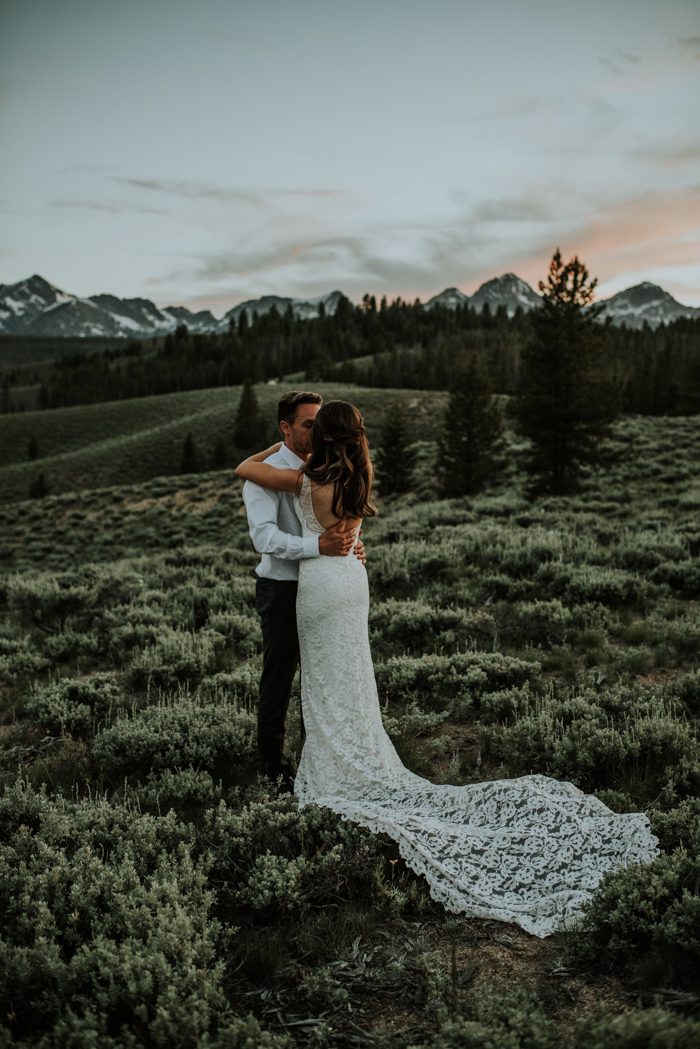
677, 155
662, 224
515, 233
183, 188
692, 44
117, 207
618, 62
523, 208
416, 260
662, 229
223, 194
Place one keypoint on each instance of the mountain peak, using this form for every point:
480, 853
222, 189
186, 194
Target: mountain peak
509, 291
645, 303
450, 298
34, 306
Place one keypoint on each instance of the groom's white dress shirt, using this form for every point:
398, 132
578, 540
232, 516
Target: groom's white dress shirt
274, 526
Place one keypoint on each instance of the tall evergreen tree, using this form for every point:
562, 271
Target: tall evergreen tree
471, 439
189, 461
220, 454
395, 461
250, 428
566, 400
38, 488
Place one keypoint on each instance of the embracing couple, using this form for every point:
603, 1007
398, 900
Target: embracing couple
529, 850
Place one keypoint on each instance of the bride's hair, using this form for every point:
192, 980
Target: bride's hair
340, 456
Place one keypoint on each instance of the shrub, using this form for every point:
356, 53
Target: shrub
538, 622
18, 657
240, 686
106, 923
413, 722
401, 567
70, 645
686, 689
272, 858
453, 683
599, 741
648, 1029
683, 576
177, 656
75, 706
612, 587
679, 825
684, 635
184, 790
240, 631
416, 624
646, 920
54, 601
177, 734
513, 1019
506, 704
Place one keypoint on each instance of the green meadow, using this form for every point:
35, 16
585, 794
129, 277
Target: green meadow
155, 892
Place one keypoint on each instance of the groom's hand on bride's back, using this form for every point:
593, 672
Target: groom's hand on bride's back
335, 542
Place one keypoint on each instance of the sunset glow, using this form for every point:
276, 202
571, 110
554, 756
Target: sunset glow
206, 156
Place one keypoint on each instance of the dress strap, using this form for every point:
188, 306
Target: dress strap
306, 502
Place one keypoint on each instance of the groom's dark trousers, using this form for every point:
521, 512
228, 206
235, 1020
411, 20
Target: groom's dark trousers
275, 600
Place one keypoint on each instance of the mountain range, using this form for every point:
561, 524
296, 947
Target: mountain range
35, 307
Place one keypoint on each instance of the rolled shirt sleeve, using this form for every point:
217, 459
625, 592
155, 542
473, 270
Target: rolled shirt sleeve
262, 507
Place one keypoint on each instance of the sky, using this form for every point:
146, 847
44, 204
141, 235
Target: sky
203, 154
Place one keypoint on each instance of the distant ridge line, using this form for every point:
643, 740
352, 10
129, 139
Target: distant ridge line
36, 307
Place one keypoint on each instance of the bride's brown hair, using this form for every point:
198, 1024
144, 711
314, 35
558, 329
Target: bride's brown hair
340, 456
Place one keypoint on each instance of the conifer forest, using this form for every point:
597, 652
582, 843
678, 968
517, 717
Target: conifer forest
534, 571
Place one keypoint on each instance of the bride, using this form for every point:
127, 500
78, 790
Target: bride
529, 850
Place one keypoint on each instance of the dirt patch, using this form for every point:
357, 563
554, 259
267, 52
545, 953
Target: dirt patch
200, 506
505, 956
176, 501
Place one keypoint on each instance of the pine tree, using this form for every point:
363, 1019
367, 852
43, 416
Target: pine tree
470, 443
250, 429
189, 461
38, 488
220, 454
395, 455
32, 447
566, 400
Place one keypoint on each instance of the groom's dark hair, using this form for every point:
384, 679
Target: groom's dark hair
287, 406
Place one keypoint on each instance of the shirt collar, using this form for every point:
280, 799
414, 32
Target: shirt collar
291, 457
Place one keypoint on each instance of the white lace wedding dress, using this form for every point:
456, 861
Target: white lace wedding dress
529, 850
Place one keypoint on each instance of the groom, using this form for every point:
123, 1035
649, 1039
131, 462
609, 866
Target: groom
276, 533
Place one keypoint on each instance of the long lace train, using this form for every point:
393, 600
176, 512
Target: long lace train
529, 850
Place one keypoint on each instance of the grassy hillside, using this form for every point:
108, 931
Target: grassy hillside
187, 905
119, 442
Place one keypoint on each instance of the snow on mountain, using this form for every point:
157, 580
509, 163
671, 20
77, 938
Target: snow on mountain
20, 303
198, 322
36, 307
645, 302
509, 291
451, 298
135, 316
303, 309
307, 309
100, 315
76, 317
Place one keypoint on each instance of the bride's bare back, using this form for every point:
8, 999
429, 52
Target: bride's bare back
322, 501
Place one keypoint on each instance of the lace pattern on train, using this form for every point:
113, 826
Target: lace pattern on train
529, 850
